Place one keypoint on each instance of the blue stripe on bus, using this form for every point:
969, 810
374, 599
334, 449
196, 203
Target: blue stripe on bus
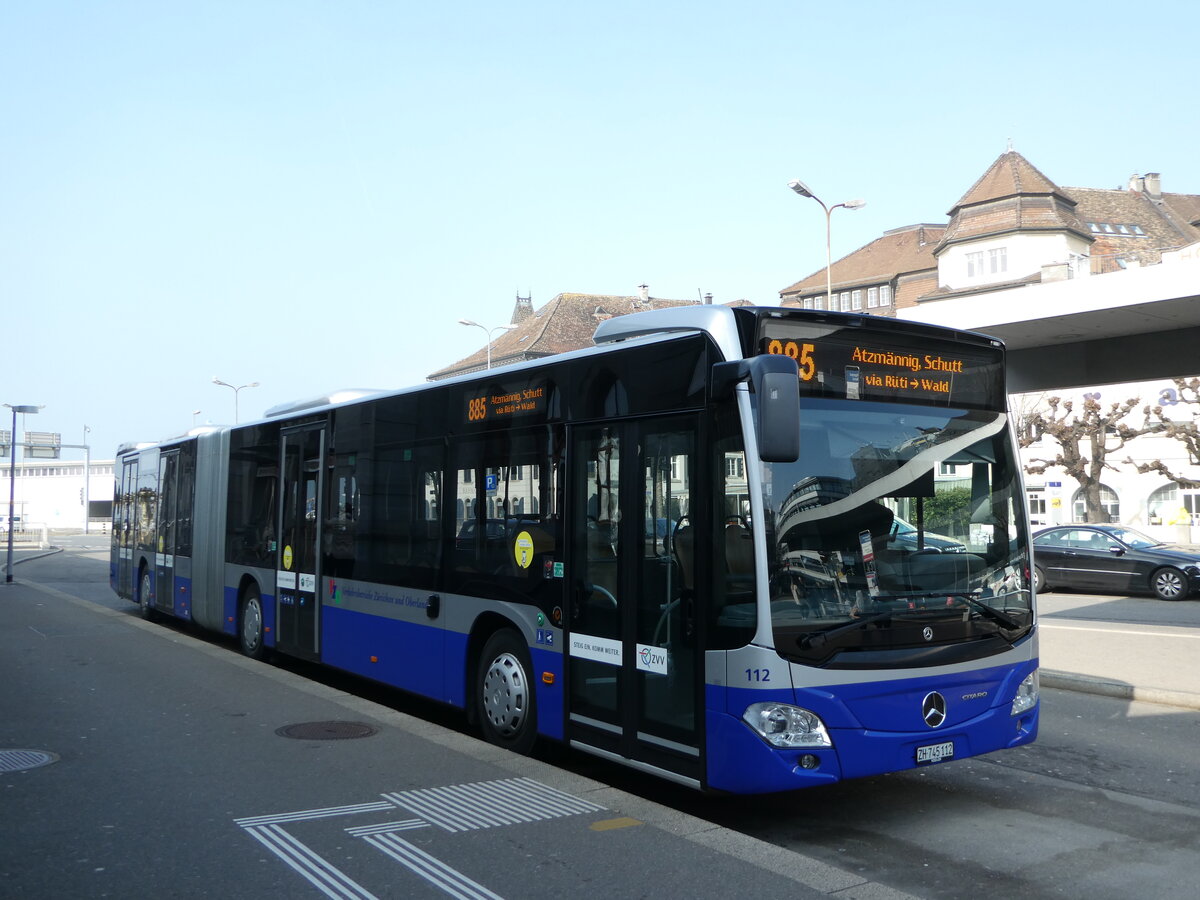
229, 618
181, 597
550, 697
406, 655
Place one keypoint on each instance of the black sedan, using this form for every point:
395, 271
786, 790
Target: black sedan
1112, 559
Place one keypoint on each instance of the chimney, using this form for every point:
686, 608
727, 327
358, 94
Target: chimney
708, 299
1137, 183
1154, 185
523, 310
643, 292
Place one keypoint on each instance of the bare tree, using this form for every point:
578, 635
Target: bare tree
1186, 432
1085, 441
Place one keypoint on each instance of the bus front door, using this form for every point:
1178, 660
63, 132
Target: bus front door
634, 668
298, 576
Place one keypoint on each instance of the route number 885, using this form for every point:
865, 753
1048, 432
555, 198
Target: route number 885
477, 409
802, 353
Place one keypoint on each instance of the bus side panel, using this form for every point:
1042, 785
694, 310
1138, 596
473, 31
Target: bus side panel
208, 571
548, 681
181, 588
403, 654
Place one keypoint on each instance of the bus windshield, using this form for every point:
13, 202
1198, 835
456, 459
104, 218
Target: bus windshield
896, 538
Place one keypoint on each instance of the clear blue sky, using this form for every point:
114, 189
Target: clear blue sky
311, 194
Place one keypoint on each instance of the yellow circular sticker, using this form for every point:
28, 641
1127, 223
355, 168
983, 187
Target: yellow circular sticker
523, 550
287, 557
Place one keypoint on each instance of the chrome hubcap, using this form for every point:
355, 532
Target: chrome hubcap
505, 694
1169, 584
252, 624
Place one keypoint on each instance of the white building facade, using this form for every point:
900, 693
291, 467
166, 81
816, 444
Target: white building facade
49, 493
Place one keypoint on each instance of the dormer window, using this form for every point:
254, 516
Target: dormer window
1126, 228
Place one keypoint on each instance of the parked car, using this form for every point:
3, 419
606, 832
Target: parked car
903, 537
1113, 559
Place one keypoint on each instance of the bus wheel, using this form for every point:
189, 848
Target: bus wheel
504, 693
250, 626
145, 603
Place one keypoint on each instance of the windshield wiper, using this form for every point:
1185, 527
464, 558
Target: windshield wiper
991, 612
820, 638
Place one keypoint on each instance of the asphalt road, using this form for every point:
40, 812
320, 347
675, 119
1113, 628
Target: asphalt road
1106, 804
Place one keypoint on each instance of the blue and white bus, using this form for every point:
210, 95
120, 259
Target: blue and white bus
679, 549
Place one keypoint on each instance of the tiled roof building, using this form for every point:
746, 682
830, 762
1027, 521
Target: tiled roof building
565, 323
1013, 227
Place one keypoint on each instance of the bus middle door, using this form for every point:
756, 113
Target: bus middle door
298, 576
164, 556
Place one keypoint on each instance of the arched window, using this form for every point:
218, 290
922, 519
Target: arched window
1164, 504
1109, 501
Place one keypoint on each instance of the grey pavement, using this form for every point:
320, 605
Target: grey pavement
165, 773
1152, 663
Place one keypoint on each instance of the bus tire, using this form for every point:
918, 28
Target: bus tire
250, 624
504, 693
144, 595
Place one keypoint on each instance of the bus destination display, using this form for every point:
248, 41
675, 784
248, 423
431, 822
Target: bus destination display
506, 403
874, 366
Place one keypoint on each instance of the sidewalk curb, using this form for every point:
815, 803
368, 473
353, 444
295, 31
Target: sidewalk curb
1087, 684
48, 552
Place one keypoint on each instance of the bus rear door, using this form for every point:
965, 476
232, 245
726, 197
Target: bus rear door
123, 526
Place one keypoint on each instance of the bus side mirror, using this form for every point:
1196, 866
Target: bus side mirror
775, 381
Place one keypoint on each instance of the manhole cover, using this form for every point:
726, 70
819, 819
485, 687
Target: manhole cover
20, 760
326, 731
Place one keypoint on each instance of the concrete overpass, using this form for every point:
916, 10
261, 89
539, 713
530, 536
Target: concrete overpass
1135, 325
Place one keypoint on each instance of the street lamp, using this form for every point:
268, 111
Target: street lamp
488, 332
87, 475
236, 391
12, 482
802, 189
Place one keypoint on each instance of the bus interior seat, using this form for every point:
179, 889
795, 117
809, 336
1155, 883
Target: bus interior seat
739, 558
601, 561
683, 545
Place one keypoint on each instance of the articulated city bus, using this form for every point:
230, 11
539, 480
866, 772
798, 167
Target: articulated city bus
747, 550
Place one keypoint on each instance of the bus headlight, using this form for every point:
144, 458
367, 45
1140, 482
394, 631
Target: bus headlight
1027, 694
781, 725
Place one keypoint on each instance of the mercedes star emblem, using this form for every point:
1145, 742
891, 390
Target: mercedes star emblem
933, 709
